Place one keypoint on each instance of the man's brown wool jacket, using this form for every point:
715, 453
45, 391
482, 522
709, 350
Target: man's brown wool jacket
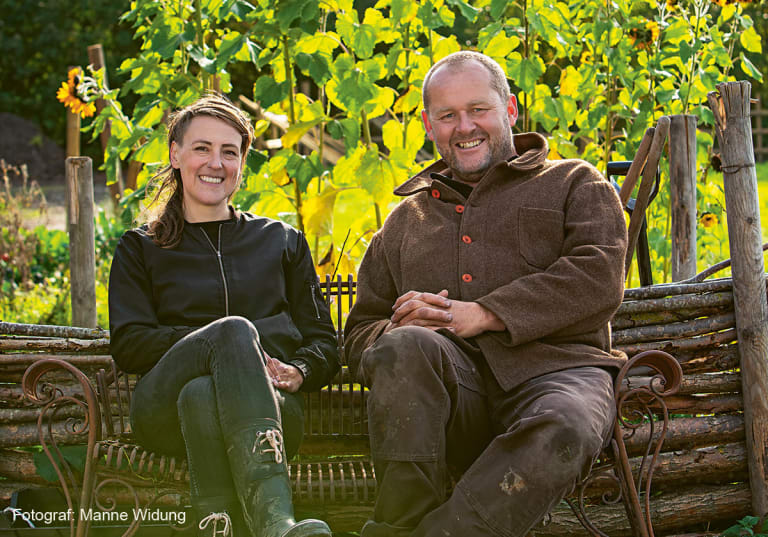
539, 243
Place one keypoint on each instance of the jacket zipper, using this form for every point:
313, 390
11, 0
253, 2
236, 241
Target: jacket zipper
221, 268
312, 288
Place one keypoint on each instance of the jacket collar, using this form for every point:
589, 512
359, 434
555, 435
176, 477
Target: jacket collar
532, 148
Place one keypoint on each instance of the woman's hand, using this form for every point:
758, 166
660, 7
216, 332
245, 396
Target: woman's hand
284, 376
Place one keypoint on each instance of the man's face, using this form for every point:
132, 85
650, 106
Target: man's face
468, 121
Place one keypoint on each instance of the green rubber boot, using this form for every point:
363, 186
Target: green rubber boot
218, 517
257, 458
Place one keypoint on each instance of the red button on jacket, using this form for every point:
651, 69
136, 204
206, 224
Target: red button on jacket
467, 239
435, 193
459, 209
466, 277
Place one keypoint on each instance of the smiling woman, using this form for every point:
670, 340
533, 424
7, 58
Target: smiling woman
221, 313
210, 163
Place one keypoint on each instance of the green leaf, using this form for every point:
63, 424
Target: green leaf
408, 102
352, 89
445, 46
686, 51
498, 7
297, 130
74, 455
255, 160
363, 40
500, 45
268, 92
750, 40
468, 12
677, 31
231, 44
529, 72
374, 178
398, 9
295, 11
242, 9
315, 65
166, 41
347, 129
304, 168
429, 17
206, 62
392, 134
317, 212
154, 151
749, 68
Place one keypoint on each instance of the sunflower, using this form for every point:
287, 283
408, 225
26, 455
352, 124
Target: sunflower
67, 94
643, 38
708, 220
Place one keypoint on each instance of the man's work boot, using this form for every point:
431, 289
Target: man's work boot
260, 473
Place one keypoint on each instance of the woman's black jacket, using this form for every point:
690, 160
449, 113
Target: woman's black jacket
263, 271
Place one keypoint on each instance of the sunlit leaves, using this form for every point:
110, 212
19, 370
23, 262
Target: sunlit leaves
750, 40
524, 71
445, 46
269, 92
591, 74
409, 101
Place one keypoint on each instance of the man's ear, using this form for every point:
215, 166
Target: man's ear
512, 110
427, 124
173, 154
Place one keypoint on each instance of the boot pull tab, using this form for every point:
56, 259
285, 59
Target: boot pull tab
275, 440
216, 518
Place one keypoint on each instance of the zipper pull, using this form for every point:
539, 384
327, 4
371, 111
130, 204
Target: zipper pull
312, 288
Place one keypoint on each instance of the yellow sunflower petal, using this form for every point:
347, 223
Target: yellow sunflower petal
72, 74
87, 109
63, 94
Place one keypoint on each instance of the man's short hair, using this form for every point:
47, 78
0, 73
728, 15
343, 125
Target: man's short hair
458, 59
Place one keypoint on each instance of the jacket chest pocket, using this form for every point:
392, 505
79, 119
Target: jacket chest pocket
540, 235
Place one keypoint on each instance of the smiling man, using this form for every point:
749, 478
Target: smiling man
481, 325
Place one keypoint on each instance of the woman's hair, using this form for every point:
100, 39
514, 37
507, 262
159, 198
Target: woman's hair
168, 199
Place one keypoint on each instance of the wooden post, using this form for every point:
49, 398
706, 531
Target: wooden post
730, 105
73, 130
96, 57
82, 257
682, 177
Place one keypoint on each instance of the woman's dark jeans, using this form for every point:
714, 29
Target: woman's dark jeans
209, 385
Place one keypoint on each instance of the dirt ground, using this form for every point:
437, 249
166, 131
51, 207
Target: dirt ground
21, 142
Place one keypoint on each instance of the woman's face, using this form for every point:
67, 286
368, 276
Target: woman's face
210, 163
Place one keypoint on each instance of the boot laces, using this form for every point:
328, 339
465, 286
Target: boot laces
217, 518
274, 438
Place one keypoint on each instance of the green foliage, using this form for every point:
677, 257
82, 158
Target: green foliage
749, 525
34, 264
592, 75
40, 40
74, 455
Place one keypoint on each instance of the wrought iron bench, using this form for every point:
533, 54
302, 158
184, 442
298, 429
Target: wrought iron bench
332, 475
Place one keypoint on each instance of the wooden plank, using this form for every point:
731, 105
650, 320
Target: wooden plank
732, 122
690, 328
49, 330
91, 346
691, 433
82, 254
670, 512
682, 185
